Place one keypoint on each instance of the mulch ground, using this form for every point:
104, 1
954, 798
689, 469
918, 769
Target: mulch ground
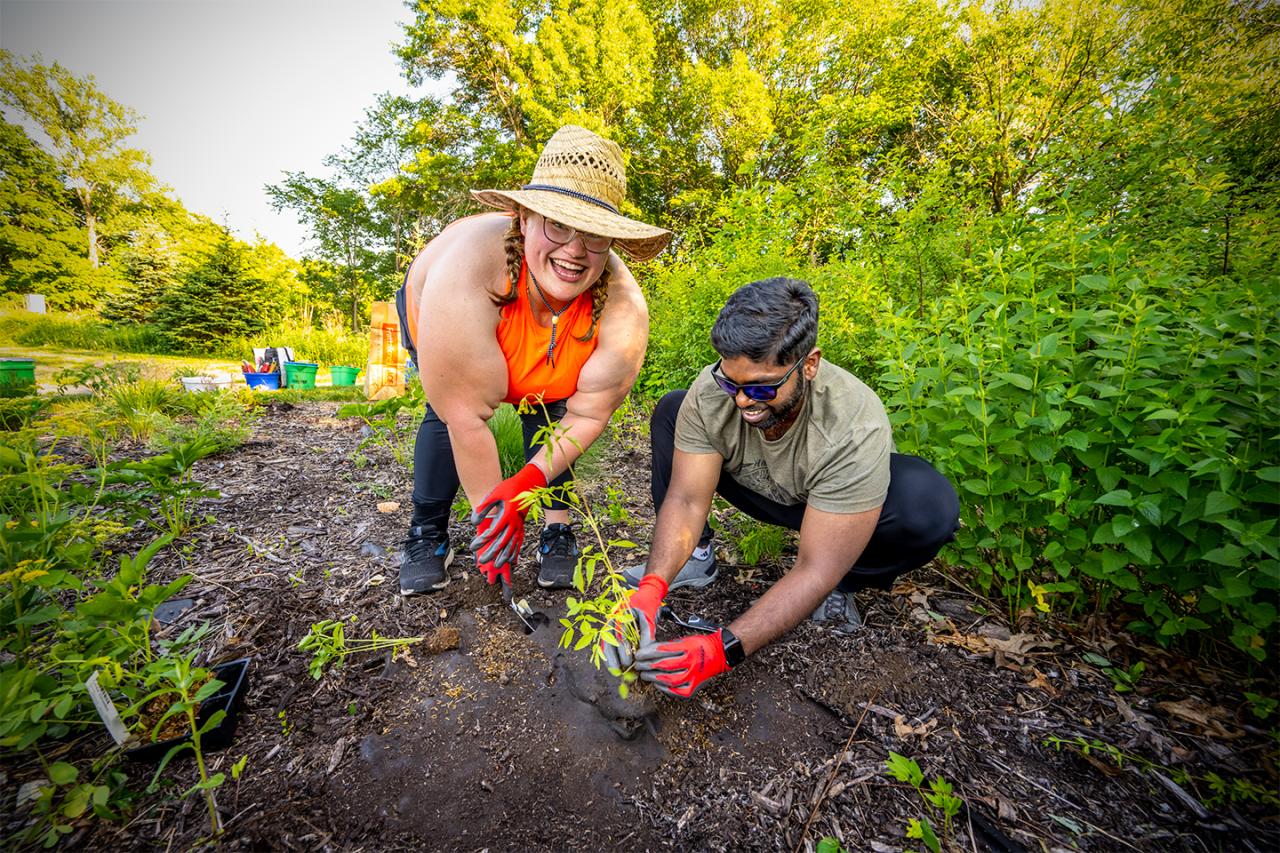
490, 738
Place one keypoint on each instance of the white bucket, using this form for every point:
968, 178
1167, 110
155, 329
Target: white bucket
196, 384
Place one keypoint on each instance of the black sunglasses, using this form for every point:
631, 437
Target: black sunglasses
760, 392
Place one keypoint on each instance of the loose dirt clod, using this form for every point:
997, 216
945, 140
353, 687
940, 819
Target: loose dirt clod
442, 639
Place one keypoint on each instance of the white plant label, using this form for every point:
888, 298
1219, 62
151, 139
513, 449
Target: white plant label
106, 709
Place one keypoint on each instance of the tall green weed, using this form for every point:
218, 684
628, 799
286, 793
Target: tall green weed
78, 331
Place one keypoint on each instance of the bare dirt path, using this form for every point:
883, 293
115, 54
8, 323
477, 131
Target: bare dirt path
488, 738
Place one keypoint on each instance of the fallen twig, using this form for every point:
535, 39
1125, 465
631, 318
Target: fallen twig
835, 768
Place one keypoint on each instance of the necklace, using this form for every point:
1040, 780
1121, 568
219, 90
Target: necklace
555, 318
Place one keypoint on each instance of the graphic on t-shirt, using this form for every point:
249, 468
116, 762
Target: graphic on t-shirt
755, 476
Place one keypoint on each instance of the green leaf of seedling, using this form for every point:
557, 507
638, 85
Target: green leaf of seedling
62, 773
829, 845
1017, 379
77, 802
214, 719
212, 783
209, 688
1067, 822
904, 769
923, 830
1117, 497
164, 762
1218, 503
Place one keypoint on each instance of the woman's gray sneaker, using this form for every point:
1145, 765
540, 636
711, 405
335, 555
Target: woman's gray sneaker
839, 611
425, 566
695, 572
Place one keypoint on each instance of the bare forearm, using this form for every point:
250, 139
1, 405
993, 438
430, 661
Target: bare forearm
476, 456
829, 544
785, 605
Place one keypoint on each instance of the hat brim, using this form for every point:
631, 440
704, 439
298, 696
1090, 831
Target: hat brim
637, 239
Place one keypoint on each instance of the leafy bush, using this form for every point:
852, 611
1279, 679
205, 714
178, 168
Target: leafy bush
751, 242
1110, 428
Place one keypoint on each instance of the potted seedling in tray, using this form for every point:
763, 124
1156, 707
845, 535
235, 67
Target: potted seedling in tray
190, 702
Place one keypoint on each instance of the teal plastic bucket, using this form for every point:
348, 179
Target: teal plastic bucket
17, 371
300, 374
343, 375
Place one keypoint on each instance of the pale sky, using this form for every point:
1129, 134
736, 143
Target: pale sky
233, 93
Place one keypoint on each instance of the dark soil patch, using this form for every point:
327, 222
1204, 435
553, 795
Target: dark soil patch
489, 738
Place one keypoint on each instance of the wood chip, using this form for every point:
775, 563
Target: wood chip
336, 757
1188, 802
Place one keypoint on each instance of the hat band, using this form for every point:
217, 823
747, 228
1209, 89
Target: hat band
590, 199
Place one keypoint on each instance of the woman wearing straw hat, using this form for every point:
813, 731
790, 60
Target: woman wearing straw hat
529, 304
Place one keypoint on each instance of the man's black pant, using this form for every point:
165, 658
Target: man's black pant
435, 476
921, 513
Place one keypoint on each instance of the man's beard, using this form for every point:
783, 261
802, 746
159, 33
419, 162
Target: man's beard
784, 413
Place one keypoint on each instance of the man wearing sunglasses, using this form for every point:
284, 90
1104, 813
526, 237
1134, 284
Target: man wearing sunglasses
790, 440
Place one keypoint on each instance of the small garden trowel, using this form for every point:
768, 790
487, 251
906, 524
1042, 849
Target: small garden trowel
531, 619
693, 623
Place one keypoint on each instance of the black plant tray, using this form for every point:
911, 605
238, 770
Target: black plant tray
235, 678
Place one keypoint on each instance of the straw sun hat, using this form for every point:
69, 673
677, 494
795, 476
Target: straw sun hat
580, 180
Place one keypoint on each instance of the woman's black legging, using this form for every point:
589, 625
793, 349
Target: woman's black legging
921, 513
435, 477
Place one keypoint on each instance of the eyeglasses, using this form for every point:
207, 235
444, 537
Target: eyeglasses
760, 392
559, 233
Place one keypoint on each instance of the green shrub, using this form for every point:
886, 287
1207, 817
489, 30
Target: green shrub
332, 344
1110, 429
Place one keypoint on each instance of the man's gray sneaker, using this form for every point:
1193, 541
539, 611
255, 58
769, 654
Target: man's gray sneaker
838, 611
695, 572
558, 555
425, 567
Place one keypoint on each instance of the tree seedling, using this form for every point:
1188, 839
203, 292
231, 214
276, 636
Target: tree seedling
939, 795
1124, 680
328, 644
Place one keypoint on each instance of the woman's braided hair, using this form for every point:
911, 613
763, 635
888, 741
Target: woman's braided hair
513, 245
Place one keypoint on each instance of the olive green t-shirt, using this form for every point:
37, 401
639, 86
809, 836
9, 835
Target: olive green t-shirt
835, 456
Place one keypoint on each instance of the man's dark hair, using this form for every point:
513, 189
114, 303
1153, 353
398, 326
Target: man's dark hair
771, 320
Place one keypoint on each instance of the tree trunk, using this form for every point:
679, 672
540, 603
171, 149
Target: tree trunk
397, 240
91, 222
355, 292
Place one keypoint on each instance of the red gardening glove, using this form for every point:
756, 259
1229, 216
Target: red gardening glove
643, 607
499, 523
680, 667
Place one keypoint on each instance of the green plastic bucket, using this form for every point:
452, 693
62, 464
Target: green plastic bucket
300, 374
344, 375
17, 371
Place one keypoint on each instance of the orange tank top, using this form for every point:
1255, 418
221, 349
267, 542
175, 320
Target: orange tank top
524, 344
